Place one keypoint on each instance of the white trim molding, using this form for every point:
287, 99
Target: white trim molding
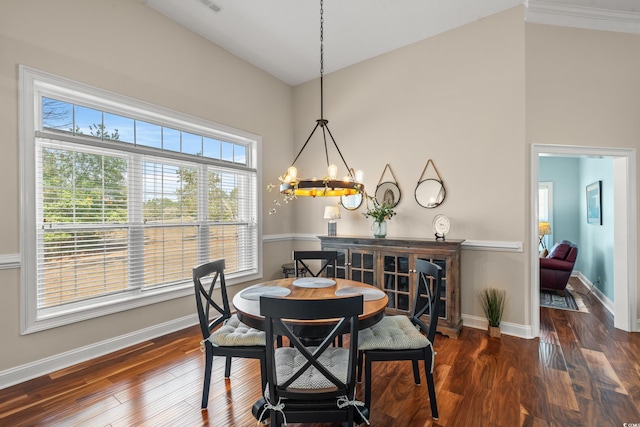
544, 12
53, 363
271, 238
492, 245
625, 303
476, 245
9, 261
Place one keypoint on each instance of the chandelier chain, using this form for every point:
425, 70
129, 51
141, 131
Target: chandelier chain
321, 38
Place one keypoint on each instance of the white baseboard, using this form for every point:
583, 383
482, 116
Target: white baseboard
51, 364
507, 328
606, 302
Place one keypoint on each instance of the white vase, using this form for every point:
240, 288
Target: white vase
380, 229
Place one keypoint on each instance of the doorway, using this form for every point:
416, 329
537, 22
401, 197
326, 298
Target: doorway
624, 199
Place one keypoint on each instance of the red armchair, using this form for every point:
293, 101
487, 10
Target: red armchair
556, 268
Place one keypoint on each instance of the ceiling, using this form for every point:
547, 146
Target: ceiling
282, 37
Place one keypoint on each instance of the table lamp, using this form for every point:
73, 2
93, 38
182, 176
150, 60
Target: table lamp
544, 228
332, 213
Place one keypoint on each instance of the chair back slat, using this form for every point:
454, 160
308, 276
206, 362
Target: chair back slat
427, 298
279, 315
327, 262
206, 303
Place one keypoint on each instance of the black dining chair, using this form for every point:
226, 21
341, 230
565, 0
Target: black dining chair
304, 262
310, 384
406, 338
222, 333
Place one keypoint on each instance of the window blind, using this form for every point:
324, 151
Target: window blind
113, 222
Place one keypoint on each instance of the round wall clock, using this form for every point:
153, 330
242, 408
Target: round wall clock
441, 226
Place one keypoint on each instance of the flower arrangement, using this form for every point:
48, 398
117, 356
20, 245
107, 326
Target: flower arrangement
379, 212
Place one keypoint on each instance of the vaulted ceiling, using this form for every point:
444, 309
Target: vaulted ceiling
282, 37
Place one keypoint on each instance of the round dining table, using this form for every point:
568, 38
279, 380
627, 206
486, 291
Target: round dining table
247, 301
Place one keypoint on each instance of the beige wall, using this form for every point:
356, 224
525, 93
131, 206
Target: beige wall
128, 48
583, 89
459, 99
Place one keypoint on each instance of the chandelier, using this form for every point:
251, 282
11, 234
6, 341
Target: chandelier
329, 184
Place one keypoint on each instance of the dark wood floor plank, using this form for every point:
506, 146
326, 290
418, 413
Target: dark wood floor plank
527, 420
580, 372
605, 377
559, 389
620, 408
564, 332
551, 356
529, 356
560, 416
533, 396
594, 413
505, 409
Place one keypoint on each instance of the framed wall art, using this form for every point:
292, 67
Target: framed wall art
594, 203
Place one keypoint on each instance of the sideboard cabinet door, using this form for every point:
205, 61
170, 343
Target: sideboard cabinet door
354, 263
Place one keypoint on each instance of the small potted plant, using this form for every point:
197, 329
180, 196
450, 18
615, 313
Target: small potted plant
492, 301
380, 214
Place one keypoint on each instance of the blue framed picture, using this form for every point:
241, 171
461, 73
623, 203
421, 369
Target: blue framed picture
594, 203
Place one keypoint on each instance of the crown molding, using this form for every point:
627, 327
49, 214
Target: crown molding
542, 12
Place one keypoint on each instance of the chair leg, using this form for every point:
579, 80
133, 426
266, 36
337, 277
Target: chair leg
367, 383
227, 367
274, 419
432, 396
208, 362
263, 372
359, 367
416, 372
432, 388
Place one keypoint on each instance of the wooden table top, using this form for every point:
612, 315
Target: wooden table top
249, 309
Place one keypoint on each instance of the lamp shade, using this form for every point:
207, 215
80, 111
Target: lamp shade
331, 212
544, 228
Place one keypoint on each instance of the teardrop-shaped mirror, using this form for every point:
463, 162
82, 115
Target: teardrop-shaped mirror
351, 202
430, 193
388, 193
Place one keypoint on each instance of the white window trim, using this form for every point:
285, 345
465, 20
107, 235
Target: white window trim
30, 80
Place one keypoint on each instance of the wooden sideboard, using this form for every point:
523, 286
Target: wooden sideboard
388, 263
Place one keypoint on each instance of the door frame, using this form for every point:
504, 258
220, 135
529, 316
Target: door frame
625, 230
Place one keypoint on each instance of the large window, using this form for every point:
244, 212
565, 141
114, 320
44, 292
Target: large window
122, 199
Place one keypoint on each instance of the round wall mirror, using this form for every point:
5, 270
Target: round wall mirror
389, 193
430, 193
352, 202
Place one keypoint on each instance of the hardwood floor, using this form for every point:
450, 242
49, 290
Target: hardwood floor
581, 372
